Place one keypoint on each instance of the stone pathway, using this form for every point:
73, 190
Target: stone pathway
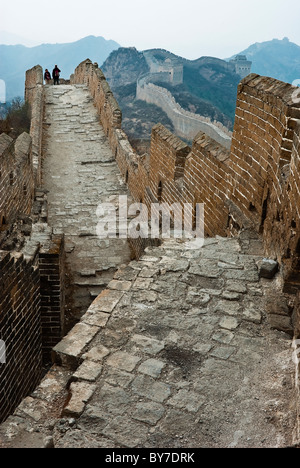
176, 353
185, 358
81, 173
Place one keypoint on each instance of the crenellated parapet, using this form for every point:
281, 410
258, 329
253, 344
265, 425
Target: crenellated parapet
16, 179
109, 111
34, 95
253, 184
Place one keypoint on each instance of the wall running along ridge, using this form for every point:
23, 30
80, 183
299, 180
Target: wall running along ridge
133, 168
186, 124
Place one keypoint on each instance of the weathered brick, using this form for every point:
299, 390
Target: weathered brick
24, 344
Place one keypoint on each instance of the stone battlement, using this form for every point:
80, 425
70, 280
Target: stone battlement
16, 180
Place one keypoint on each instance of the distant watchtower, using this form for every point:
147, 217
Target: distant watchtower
161, 61
242, 65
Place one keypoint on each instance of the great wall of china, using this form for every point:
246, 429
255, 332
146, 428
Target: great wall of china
135, 371
186, 124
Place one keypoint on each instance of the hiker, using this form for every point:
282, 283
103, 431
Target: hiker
55, 74
47, 76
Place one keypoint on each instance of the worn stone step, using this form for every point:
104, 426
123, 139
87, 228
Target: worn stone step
87, 273
90, 281
95, 292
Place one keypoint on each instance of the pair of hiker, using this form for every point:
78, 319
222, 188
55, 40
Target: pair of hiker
55, 75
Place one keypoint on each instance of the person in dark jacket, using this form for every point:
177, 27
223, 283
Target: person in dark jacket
55, 74
47, 76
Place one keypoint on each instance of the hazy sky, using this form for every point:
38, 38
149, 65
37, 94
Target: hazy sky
190, 28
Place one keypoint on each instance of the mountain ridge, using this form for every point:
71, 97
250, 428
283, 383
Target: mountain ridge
277, 58
8, 38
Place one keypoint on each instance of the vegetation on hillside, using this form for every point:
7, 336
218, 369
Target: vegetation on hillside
16, 120
217, 87
138, 116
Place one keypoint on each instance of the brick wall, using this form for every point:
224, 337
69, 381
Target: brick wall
20, 329
16, 178
52, 274
186, 124
260, 147
264, 158
207, 179
34, 94
167, 163
32, 278
109, 112
283, 222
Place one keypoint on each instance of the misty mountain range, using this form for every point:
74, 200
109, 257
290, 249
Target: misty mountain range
277, 58
7, 38
16, 59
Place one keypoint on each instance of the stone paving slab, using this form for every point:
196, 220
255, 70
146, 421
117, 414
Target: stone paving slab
192, 366
193, 357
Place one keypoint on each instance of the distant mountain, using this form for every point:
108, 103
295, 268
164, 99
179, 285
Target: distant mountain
278, 59
15, 60
7, 38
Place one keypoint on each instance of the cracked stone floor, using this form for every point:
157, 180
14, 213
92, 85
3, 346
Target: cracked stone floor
177, 352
